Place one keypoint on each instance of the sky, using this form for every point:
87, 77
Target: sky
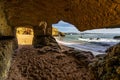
109, 30
66, 27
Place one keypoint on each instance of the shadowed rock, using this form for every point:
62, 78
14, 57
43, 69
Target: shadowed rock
5, 57
109, 66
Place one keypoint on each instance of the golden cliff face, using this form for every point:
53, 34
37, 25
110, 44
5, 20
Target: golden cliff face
84, 14
55, 31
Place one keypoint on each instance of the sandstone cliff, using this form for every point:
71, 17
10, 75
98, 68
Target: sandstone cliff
55, 32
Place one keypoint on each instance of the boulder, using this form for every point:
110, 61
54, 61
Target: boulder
108, 68
116, 37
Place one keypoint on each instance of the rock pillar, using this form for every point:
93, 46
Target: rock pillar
43, 35
15, 41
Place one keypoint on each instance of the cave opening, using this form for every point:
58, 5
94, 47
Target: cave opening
96, 41
24, 35
65, 27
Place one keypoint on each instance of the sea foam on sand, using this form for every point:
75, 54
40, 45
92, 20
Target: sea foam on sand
78, 46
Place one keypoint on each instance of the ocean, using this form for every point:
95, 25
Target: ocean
97, 43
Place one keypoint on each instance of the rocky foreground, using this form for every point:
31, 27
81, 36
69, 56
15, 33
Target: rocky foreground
107, 67
48, 63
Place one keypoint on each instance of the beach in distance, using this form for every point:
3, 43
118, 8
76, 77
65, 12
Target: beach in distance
97, 43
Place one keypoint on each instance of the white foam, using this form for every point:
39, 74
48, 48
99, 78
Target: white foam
81, 47
98, 40
65, 43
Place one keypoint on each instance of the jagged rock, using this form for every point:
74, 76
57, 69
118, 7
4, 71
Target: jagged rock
117, 37
100, 56
47, 49
5, 57
85, 54
45, 41
114, 51
118, 70
56, 32
29, 65
84, 57
108, 67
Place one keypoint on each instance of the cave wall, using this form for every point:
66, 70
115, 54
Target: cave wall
107, 67
84, 14
6, 51
5, 29
6, 43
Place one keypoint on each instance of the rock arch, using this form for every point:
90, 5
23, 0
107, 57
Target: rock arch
84, 14
92, 14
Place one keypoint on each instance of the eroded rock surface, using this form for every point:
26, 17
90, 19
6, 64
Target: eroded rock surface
47, 64
5, 57
108, 67
84, 14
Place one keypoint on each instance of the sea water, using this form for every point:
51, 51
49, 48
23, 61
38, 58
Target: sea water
97, 43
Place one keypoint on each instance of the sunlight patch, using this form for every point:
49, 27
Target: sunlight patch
24, 36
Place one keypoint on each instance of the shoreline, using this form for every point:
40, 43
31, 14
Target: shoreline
78, 48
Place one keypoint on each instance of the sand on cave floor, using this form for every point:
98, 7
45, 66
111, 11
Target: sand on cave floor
30, 63
24, 39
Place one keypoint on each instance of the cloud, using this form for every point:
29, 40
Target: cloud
63, 24
108, 30
65, 27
